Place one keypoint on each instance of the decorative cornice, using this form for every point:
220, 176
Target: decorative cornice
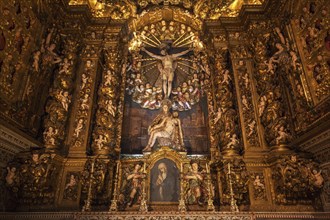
13, 142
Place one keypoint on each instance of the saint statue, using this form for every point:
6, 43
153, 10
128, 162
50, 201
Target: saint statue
167, 68
166, 128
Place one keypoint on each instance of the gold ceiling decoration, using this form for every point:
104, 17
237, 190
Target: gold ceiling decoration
205, 9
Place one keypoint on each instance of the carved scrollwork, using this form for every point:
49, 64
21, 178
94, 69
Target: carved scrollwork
297, 180
32, 180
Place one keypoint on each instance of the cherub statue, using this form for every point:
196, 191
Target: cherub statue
282, 136
226, 77
11, 173
108, 78
84, 102
251, 126
79, 127
111, 109
262, 105
318, 179
245, 102
64, 67
49, 135
233, 142
84, 80
217, 116
64, 99
100, 141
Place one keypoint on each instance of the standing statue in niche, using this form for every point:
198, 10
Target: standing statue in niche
166, 128
132, 186
167, 68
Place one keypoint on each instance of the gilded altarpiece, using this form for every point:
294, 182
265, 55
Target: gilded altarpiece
165, 105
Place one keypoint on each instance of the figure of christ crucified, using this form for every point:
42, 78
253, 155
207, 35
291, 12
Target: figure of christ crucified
167, 69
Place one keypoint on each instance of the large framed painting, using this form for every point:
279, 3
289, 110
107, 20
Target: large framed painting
164, 182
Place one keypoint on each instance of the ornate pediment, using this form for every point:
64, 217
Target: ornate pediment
205, 9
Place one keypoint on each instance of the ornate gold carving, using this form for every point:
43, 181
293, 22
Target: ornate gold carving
234, 181
312, 36
33, 181
247, 107
151, 77
206, 9
296, 180
271, 108
107, 113
224, 119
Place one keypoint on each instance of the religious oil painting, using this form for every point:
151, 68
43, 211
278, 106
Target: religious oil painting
164, 181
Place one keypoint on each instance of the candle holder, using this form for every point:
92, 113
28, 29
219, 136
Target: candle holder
182, 205
233, 204
143, 205
87, 206
114, 201
210, 205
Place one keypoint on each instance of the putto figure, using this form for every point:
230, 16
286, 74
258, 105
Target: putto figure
167, 68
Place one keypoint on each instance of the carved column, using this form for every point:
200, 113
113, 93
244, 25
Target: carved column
108, 122
59, 102
225, 114
243, 78
80, 124
272, 111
